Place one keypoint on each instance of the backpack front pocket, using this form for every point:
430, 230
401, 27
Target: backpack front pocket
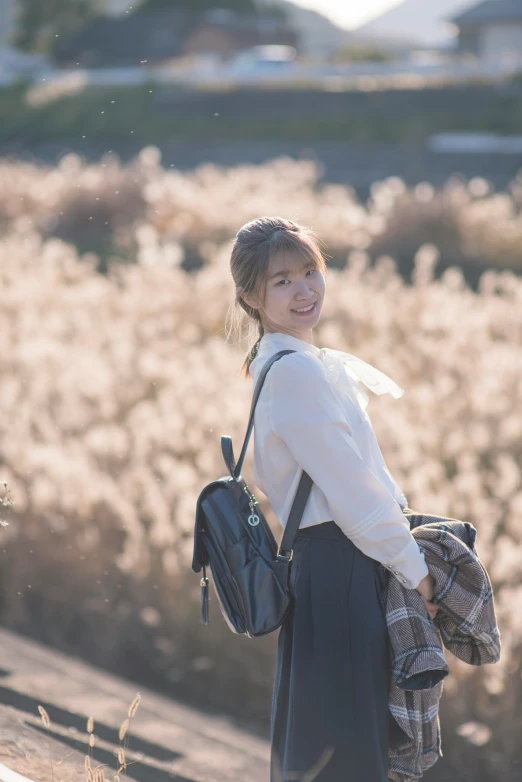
264, 597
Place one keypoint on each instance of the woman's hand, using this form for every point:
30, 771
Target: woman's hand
426, 589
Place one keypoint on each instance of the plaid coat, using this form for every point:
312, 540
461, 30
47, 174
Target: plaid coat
465, 624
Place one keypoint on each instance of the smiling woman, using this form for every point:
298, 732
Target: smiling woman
330, 696
280, 273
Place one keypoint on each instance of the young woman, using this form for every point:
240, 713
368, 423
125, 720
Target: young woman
330, 720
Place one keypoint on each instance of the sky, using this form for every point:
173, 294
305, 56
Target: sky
349, 14
345, 13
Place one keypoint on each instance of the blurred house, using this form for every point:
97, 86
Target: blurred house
159, 36
492, 30
15, 63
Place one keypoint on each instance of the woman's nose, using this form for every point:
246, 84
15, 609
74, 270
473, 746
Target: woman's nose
304, 291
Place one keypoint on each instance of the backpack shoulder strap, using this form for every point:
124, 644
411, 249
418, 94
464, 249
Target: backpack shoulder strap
305, 483
255, 397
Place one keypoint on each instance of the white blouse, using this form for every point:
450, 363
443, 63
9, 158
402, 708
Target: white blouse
311, 415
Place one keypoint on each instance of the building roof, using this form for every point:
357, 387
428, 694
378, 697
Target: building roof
157, 35
490, 11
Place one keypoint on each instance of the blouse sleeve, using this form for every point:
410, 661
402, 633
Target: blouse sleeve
306, 414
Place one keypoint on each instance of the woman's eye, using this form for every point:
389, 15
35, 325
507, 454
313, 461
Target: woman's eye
309, 270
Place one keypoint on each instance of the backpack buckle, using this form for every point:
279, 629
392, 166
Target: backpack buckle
283, 557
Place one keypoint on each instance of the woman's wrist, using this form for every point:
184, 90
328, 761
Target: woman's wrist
426, 588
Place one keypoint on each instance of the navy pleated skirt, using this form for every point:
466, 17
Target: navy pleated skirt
329, 719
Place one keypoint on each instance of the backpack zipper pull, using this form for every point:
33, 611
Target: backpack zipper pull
204, 597
253, 519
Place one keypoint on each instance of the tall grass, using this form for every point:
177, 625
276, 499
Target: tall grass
142, 211
115, 389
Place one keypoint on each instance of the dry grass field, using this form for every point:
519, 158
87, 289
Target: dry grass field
117, 380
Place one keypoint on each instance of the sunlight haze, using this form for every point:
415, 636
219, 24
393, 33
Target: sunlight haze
349, 15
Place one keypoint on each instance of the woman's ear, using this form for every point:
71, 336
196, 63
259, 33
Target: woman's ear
250, 300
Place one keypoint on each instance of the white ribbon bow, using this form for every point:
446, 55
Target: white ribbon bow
344, 370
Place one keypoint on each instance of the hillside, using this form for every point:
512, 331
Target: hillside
419, 21
320, 36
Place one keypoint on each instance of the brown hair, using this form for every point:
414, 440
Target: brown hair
256, 243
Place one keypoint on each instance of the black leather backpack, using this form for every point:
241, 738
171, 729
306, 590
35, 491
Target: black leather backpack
231, 534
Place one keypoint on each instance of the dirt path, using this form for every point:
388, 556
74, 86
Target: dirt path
167, 741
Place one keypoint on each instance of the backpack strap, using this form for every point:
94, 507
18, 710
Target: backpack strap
261, 379
295, 516
305, 483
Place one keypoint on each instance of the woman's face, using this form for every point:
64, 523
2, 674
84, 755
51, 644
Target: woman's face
288, 290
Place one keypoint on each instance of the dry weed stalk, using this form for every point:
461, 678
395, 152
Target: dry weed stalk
90, 728
133, 708
5, 501
124, 733
123, 729
47, 723
98, 775
122, 760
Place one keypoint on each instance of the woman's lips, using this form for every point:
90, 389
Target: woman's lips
303, 314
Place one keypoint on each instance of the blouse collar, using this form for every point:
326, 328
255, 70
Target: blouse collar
344, 370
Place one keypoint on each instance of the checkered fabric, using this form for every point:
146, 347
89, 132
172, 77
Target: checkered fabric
465, 624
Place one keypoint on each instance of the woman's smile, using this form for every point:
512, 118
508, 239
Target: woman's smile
308, 311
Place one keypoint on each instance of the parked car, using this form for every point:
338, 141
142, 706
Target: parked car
260, 60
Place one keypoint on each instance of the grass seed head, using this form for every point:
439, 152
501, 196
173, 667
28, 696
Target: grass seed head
45, 717
123, 729
134, 705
